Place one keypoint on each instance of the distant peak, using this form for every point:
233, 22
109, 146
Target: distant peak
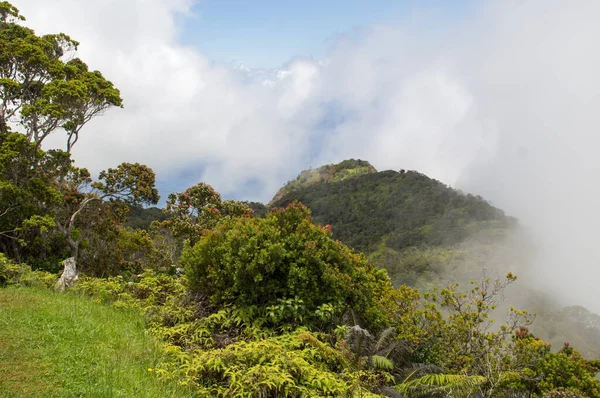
330, 173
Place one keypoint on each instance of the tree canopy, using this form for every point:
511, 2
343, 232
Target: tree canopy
262, 261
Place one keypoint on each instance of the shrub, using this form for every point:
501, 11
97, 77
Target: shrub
283, 366
264, 262
567, 372
22, 275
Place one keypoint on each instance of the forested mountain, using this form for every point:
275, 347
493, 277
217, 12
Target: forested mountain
404, 208
426, 234
140, 217
400, 219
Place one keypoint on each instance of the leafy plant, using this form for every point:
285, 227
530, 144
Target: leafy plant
440, 383
288, 265
22, 275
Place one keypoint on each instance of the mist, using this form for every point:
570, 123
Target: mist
506, 106
538, 85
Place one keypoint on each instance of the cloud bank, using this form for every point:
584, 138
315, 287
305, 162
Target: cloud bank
503, 103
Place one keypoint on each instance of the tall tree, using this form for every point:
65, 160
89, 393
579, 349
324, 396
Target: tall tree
25, 191
84, 203
128, 183
43, 88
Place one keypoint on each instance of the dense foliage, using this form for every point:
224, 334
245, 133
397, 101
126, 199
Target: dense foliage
404, 208
228, 351
269, 306
197, 209
265, 262
141, 218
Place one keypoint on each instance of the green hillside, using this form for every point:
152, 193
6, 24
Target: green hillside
426, 234
404, 208
140, 217
406, 222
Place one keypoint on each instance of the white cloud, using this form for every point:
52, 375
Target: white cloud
505, 105
181, 111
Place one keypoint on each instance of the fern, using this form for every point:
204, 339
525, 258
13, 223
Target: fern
431, 383
386, 342
417, 370
327, 352
381, 363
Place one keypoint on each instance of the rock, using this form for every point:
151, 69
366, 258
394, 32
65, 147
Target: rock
69, 275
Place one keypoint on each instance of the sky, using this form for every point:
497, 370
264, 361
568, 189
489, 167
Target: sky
497, 98
268, 34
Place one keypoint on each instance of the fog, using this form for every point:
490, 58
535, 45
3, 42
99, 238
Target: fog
506, 106
538, 85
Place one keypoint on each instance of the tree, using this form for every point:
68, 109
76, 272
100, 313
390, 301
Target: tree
25, 194
44, 89
198, 209
264, 262
128, 183
41, 89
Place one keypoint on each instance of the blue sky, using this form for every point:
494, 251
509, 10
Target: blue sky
268, 33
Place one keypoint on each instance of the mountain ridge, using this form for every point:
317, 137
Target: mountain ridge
350, 168
427, 234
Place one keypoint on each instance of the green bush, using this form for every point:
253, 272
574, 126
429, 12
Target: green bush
566, 372
22, 275
267, 262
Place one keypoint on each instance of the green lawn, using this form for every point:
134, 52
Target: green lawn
63, 345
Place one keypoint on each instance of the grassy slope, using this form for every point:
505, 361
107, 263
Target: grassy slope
62, 345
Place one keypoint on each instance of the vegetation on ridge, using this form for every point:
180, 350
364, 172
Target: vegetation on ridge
405, 208
345, 170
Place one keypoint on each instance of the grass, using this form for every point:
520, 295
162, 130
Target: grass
64, 345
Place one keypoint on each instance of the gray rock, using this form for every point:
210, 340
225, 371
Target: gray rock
69, 275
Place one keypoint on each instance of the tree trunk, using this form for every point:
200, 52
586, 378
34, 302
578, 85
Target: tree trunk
3, 124
74, 247
16, 250
69, 275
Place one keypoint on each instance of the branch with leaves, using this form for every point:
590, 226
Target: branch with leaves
130, 183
